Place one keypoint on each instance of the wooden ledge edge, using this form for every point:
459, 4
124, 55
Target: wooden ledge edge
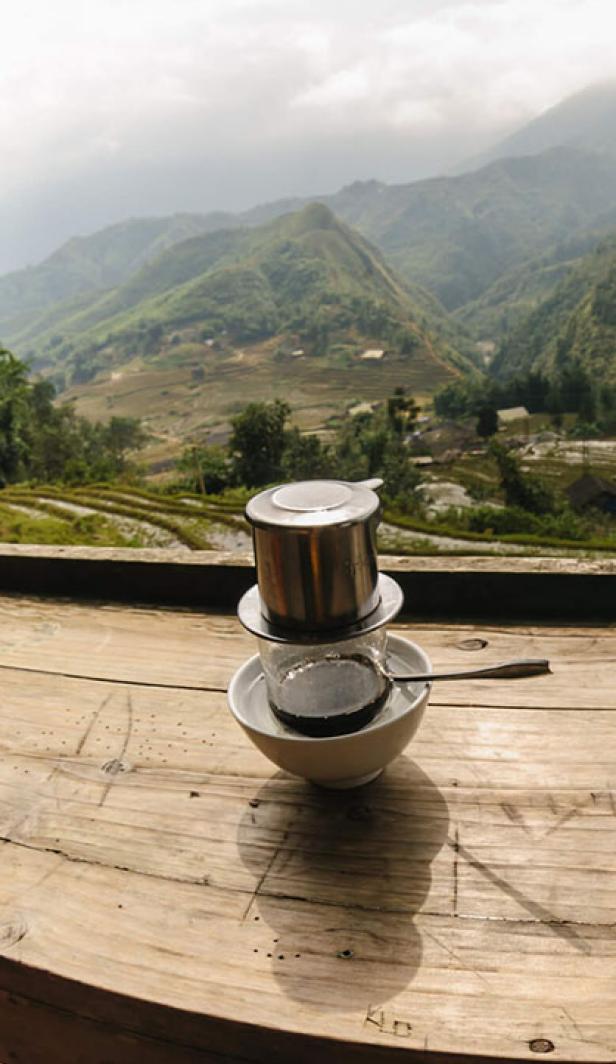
533, 588
41, 1013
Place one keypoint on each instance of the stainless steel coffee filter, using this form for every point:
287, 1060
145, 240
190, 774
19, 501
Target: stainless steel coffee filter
315, 553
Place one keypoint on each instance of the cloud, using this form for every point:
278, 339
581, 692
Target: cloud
144, 106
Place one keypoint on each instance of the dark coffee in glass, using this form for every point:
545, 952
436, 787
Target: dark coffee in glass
336, 694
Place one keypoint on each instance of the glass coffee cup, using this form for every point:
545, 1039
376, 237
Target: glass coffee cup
326, 689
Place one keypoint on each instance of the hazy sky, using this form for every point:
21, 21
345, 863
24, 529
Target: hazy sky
110, 108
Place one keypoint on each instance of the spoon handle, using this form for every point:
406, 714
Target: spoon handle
504, 670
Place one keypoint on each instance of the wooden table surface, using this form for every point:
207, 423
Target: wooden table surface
166, 894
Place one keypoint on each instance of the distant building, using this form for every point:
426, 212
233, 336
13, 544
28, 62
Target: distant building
487, 348
299, 351
589, 490
373, 354
361, 408
513, 413
452, 454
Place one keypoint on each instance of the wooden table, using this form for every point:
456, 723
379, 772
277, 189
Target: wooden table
167, 895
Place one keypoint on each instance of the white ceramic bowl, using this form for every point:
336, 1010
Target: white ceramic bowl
341, 760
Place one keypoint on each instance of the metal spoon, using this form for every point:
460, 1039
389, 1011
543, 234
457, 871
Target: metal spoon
503, 670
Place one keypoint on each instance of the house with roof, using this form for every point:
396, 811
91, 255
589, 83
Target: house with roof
590, 490
511, 414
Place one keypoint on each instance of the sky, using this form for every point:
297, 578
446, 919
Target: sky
138, 107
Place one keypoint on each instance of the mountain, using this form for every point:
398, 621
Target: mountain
503, 306
453, 236
456, 236
306, 278
586, 121
576, 323
94, 263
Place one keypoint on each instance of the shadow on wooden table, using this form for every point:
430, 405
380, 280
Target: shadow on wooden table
339, 876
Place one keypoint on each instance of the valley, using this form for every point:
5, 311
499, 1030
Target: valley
458, 286
188, 396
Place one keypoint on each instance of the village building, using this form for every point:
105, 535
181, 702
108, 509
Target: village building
361, 408
373, 354
592, 491
511, 414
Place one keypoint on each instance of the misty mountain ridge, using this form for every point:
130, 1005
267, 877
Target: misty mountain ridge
586, 121
576, 323
92, 263
505, 304
490, 245
305, 278
452, 236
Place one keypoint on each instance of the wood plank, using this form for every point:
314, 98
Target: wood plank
195, 649
167, 895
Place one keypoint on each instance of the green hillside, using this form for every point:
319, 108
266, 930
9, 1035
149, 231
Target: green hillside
452, 236
456, 235
305, 277
577, 322
518, 291
93, 263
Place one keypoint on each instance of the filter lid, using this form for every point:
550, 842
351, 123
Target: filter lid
314, 503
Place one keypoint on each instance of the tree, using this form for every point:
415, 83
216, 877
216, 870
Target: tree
42, 441
257, 442
487, 422
454, 400
373, 445
120, 435
14, 416
351, 461
402, 411
206, 469
521, 489
578, 391
400, 477
304, 457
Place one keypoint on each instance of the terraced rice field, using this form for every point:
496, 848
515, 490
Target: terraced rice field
120, 516
123, 517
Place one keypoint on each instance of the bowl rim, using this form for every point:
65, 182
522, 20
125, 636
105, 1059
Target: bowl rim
253, 663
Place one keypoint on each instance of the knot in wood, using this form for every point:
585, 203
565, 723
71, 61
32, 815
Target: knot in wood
472, 644
359, 812
115, 766
12, 931
541, 1045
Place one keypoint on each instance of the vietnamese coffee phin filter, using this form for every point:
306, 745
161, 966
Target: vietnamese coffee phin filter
320, 606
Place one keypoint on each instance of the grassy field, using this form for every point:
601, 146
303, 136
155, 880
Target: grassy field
191, 391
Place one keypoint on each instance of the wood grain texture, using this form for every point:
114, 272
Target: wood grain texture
167, 895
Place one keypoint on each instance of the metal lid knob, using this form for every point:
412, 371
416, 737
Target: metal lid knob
313, 503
